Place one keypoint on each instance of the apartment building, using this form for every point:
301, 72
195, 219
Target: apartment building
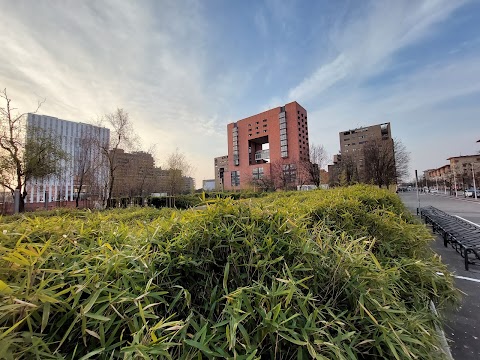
274, 139
464, 169
353, 145
352, 142
221, 166
134, 173
81, 142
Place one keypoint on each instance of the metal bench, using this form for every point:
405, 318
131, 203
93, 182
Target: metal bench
462, 236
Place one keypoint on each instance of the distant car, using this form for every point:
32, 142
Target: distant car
471, 193
433, 191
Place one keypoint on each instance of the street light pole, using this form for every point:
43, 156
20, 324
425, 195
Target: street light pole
474, 186
455, 181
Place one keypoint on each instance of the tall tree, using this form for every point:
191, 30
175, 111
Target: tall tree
87, 162
26, 153
177, 167
286, 175
402, 160
122, 137
386, 162
348, 172
318, 159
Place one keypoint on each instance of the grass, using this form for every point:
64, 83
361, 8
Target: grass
337, 274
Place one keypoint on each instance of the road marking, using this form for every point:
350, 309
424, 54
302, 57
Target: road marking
461, 277
466, 278
470, 222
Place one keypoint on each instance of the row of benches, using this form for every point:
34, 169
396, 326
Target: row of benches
463, 236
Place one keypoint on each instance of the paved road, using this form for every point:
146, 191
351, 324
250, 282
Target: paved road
468, 209
462, 327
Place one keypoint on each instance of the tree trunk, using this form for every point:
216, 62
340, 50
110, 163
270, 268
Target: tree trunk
21, 207
78, 193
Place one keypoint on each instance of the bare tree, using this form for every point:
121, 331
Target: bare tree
402, 160
262, 182
318, 159
386, 162
287, 175
87, 163
348, 172
122, 136
26, 153
177, 167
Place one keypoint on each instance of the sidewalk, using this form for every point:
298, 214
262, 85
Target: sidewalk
462, 327
453, 197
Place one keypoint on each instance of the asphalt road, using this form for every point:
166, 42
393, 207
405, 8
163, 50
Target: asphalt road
462, 326
468, 209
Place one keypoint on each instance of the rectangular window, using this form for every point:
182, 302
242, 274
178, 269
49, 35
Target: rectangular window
235, 178
257, 173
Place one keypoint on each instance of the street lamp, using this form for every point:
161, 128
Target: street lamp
455, 181
474, 186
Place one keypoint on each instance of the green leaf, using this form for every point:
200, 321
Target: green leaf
5, 289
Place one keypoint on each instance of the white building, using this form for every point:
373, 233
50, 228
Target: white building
209, 185
70, 135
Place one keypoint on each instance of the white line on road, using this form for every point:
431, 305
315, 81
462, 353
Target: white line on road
461, 277
470, 222
466, 278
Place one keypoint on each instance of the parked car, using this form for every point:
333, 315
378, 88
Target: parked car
433, 191
471, 193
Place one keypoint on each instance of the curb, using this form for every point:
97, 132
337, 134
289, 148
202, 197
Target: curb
441, 334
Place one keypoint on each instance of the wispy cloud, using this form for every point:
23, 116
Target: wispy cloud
183, 70
366, 43
87, 58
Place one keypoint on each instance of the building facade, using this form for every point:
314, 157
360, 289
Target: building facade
354, 144
270, 145
221, 166
134, 173
464, 169
72, 138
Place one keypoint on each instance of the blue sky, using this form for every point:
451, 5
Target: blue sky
184, 69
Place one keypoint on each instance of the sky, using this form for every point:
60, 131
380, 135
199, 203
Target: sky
185, 69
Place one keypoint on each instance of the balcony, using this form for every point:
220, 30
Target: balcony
262, 155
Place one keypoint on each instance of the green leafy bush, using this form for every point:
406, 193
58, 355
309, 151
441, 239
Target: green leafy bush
337, 274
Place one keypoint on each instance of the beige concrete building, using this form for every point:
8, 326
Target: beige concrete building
134, 174
221, 166
463, 168
352, 142
352, 145
459, 172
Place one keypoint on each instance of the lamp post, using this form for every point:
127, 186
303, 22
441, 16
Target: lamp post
455, 181
444, 184
474, 186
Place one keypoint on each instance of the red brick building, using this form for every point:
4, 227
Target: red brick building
273, 141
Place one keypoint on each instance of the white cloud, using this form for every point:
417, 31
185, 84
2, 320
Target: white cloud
366, 43
87, 58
